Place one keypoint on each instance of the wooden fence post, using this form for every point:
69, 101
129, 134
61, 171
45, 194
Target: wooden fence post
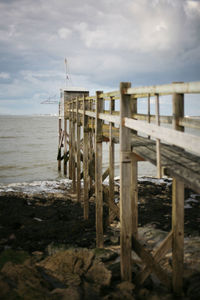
85, 159
125, 185
98, 172
70, 141
158, 156
78, 157
177, 209
111, 158
59, 139
73, 148
134, 180
65, 147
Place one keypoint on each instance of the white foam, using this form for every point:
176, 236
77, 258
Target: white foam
54, 186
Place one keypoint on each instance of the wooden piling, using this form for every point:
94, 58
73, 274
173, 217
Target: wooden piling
178, 235
59, 140
70, 140
65, 148
111, 159
73, 153
125, 185
78, 155
177, 208
98, 172
158, 156
85, 159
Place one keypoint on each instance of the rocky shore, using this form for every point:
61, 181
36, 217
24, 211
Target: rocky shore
47, 249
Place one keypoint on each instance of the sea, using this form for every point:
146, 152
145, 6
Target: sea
28, 154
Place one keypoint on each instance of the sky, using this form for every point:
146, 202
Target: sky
105, 42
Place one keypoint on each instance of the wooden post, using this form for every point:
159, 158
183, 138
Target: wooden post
134, 195
98, 172
85, 159
158, 156
178, 110
70, 141
73, 148
78, 159
59, 139
65, 147
178, 235
177, 208
111, 158
134, 181
149, 111
125, 185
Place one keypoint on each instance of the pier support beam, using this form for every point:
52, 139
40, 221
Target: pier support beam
59, 140
98, 172
73, 141
65, 147
177, 207
70, 140
125, 185
111, 159
178, 235
85, 160
78, 156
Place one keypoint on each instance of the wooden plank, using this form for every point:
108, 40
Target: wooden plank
110, 118
125, 185
178, 235
181, 139
105, 174
189, 122
111, 159
150, 261
98, 173
165, 89
158, 254
78, 169
85, 161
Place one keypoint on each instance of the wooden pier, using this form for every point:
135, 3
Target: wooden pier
87, 125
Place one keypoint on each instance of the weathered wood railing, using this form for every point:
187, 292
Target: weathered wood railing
124, 125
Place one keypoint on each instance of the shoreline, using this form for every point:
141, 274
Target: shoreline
41, 228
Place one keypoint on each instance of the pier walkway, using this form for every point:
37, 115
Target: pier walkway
161, 140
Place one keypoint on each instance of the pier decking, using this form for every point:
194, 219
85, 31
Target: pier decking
141, 137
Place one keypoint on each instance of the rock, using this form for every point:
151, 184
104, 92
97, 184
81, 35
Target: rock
115, 270
99, 274
143, 293
91, 291
126, 285
23, 282
105, 255
70, 293
124, 291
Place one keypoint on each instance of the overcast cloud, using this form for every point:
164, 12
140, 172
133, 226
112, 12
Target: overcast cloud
105, 42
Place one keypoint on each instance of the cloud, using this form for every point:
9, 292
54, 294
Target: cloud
64, 33
4, 75
105, 42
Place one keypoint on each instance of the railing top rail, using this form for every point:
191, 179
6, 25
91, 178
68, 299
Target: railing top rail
165, 89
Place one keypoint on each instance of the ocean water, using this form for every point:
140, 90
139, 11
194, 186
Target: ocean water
28, 150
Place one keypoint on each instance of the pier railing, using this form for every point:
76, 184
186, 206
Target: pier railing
87, 124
